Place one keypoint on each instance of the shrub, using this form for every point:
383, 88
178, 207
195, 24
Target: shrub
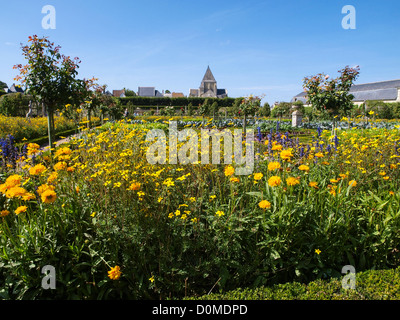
370, 285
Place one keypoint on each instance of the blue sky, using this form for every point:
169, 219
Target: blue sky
252, 47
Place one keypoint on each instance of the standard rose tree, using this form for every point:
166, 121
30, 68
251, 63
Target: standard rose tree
50, 77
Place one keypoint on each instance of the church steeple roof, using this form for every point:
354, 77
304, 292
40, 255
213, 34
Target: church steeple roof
208, 75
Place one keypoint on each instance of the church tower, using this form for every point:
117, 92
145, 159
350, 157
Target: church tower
208, 87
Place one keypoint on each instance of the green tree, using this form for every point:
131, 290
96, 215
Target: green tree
3, 85
248, 106
331, 97
129, 93
214, 108
265, 111
50, 77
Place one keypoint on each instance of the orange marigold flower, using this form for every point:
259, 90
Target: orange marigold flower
229, 170
264, 204
21, 209
49, 196
291, 181
274, 166
274, 181
352, 183
114, 273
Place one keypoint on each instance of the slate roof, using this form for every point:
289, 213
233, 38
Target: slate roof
14, 89
382, 90
208, 77
222, 93
146, 91
149, 92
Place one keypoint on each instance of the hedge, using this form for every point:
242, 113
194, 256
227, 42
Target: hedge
370, 285
177, 102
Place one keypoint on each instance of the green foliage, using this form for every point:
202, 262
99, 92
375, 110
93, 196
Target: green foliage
3, 85
282, 110
370, 285
130, 93
382, 110
265, 111
177, 102
331, 97
14, 104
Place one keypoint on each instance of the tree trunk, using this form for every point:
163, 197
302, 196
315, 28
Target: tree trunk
50, 126
89, 119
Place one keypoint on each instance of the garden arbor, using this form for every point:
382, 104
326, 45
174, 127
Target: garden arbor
50, 77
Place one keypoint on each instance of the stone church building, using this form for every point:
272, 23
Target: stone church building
208, 87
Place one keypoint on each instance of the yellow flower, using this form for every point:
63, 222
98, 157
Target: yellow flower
274, 181
15, 192
220, 213
212, 197
134, 186
28, 196
168, 182
229, 170
13, 181
114, 273
313, 184
291, 181
264, 204
273, 166
60, 166
304, 168
258, 176
52, 177
49, 196
36, 170
317, 251
234, 179
276, 147
286, 154
352, 183
319, 155
21, 209
43, 188
4, 213
151, 279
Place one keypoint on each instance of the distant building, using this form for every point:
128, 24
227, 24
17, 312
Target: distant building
14, 89
385, 91
149, 92
177, 95
119, 93
208, 87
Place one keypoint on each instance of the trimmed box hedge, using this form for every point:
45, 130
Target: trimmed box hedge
370, 285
